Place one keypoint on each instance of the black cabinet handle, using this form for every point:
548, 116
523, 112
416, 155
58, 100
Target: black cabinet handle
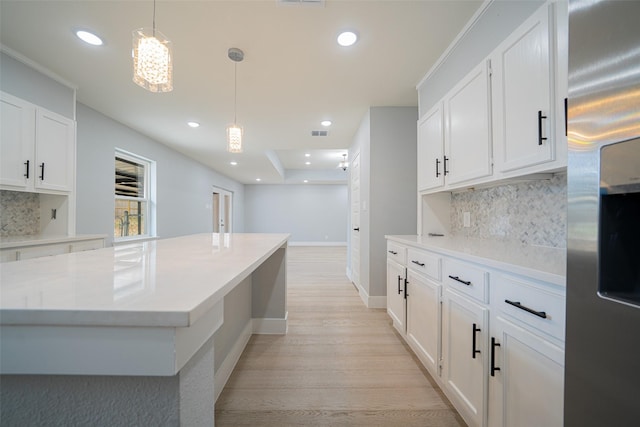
445, 166
494, 344
406, 292
457, 279
26, 175
473, 342
42, 171
356, 229
540, 137
399, 279
393, 252
527, 309
566, 117
437, 170
421, 264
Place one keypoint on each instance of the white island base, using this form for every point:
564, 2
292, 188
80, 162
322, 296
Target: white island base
144, 334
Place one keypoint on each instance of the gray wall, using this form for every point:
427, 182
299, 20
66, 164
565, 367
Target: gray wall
184, 186
312, 214
497, 21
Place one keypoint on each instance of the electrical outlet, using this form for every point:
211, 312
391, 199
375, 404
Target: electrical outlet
466, 219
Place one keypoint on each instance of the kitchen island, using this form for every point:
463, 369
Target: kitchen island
127, 335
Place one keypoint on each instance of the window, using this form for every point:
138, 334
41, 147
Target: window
133, 218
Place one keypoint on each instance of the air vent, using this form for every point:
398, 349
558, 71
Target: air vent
306, 3
319, 133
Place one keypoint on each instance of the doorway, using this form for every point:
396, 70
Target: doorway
222, 211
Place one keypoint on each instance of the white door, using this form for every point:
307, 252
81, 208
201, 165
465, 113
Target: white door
355, 220
430, 149
395, 295
222, 211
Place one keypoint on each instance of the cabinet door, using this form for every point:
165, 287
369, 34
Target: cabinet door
16, 144
522, 87
55, 151
395, 295
464, 355
431, 149
528, 388
423, 320
467, 132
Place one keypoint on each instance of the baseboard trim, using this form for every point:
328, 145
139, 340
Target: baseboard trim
317, 243
372, 301
229, 363
270, 326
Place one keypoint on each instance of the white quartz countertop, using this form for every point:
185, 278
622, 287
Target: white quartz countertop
170, 282
536, 262
38, 239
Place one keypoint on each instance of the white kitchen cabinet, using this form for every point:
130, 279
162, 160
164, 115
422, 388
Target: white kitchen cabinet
464, 355
396, 302
431, 149
523, 90
17, 144
37, 147
454, 137
526, 385
49, 246
467, 129
423, 319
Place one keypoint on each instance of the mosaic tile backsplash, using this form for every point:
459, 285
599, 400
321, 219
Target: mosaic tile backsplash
532, 213
19, 213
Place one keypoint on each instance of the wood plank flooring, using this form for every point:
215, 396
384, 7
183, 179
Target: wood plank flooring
340, 364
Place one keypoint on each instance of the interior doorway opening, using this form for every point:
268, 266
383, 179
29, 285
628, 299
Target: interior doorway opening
222, 204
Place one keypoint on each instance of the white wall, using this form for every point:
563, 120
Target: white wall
184, 186
312, 214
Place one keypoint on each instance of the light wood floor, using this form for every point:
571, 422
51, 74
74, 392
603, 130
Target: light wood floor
340, 364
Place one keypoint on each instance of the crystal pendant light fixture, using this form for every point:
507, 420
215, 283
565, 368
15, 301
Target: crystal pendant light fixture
152, 59
343, 164
234, 132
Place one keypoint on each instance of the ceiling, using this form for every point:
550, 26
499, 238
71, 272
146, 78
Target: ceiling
293, 76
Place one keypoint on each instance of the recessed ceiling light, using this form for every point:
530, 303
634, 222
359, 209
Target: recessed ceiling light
307, 155
258, 179
347, 38
305, 181
233, 163
193, 124
307, 163
326, 123
88, 37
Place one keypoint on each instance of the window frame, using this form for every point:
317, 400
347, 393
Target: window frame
148, 213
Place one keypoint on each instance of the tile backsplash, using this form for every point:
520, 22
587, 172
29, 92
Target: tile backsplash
19, 213
532, 213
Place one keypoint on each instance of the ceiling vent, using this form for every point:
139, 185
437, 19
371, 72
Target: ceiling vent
319, 133
304, 3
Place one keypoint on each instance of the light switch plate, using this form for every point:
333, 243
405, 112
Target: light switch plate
466, 219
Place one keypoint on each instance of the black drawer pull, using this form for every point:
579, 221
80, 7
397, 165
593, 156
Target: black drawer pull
399, 279
421, 264
494, 344
457, 279
527, 309
540, 137
42, 171
473, 341
437, 171
26, 175
445, 165
393, 252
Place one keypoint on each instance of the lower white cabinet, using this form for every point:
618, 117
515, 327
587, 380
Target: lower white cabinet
464, 355
526, 377
500, 360
423, 319
34, 250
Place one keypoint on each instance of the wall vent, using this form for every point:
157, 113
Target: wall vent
319, 133
304, 3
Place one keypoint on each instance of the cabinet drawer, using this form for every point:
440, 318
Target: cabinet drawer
40, 251
397, 252
536, 304
86, 245
467, 278
426, 263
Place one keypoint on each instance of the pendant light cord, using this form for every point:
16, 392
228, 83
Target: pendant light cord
235, 92
154, 18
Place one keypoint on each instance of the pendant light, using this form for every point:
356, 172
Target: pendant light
152, 59
343, 164
234, 132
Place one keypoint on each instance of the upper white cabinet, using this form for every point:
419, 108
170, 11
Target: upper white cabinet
523, 89
431, 149
37, 147
454, 138
467, 129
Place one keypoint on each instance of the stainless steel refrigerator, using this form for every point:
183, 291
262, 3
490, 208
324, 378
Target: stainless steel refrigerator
602, 358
